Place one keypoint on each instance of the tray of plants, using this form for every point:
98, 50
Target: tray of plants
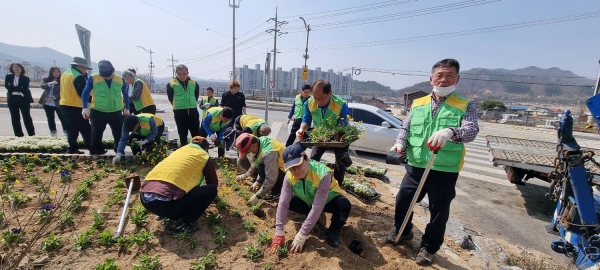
362, 191
336, 136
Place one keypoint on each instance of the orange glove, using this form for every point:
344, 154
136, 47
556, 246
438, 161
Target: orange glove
278, 241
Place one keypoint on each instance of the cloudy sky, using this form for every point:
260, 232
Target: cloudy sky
401, 37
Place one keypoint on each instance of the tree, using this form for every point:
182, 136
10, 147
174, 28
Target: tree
492, 104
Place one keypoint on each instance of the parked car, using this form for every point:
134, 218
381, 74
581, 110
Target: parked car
381, 128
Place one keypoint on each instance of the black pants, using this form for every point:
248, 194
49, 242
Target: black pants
148, 109
50, 112
340, 170
99, 121
295, 127
150, 145
220, 149
440, 188
339, 207
187, 119
189, 208
276, 189
16, 104
77, 124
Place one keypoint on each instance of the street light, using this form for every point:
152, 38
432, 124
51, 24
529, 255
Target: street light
307, 26
151, 66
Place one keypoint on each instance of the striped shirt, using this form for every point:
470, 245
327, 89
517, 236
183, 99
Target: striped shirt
465, 133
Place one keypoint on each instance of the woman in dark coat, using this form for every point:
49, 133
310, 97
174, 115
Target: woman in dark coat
19, 99
51, 99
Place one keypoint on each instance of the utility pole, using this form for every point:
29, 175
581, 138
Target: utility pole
267, 63
234, 6
305, 69
276, 32
173, 61
54, 63
150, 66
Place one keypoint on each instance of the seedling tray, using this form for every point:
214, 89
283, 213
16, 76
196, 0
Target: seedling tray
325, 144
376, 195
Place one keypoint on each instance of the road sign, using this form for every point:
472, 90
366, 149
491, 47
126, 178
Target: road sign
84, 40
305, 74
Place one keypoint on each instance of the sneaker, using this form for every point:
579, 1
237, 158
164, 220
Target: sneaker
270, 197
392, 237
424, 257
180, 226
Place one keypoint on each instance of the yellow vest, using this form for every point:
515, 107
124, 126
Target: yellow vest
68, 94
183, 168
252, 122
145, 99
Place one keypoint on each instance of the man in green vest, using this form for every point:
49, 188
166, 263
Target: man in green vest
297, 112
72, 84
183, 94
441, 121
174, 190
109, 94
208, 101
265, 154
325, 109
140, 95
309, 189
146, 130
215, 122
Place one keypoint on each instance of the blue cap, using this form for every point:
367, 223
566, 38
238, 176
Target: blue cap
292, 155
105, 68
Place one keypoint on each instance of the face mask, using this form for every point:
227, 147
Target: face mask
444, 91
250, 155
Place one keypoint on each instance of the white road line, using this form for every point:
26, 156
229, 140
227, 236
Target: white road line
275, 128
484, 166
477, 155
485, 178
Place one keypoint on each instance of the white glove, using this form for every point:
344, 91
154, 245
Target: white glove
141, 143
254, 200
399, 147
298, 243
256, 186
206, 106
213, 137
241, 177
116, 159
439, 139
85, 112
300, 134
126, 112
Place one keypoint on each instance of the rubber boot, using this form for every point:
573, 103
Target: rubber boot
333, 233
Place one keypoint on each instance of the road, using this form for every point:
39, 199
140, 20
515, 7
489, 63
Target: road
486, 202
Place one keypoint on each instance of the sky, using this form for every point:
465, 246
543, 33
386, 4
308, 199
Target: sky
381, 37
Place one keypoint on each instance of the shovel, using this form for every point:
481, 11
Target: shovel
414, 200
133, 183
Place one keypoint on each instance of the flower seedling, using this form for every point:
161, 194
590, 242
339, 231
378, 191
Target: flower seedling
208, 261
12, 236
213, 218
98, 221
44, 211
83, 240
253, 252
109, 264
249, 225
51, 243
33, 178
222, 203
139, 215
185, 236
147, 263
140, 238
268, 266
236, 213
264, 238
106, 238
65, 176
282, 251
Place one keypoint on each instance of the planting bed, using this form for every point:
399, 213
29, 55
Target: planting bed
62, 214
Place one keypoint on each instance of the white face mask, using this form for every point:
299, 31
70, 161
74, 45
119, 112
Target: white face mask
250, 155
444, 91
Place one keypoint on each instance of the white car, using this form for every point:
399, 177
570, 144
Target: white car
381, 128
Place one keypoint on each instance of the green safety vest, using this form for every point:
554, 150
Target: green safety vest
267, 145
183, 98
212, 102
331, 115
450, 114
107, 99
298, 107
216, 124
307, 188
252, 122
144, 119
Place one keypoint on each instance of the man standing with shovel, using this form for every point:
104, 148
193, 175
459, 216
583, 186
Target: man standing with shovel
434, 120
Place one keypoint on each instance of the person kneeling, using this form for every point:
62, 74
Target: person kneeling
309, 189
173, 188
146, 130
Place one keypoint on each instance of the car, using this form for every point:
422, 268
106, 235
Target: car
381, 128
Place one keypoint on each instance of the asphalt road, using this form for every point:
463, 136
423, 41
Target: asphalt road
486, 202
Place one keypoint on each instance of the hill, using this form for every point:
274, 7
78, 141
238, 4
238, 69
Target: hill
524, 84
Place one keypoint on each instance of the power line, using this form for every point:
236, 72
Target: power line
182, 18
428, 73
214, 56
349, 10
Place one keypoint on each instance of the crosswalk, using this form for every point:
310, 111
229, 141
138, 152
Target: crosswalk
477, 166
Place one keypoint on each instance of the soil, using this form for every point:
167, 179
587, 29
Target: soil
368, 223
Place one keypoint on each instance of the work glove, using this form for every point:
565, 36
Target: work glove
253, 200
399, 148
85, 112
300, 134
206, 106
439, 139
278, 240
256, 186
116, 159
241, 177
126, 112
213, 137
290, 120
298, 243
141, 143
